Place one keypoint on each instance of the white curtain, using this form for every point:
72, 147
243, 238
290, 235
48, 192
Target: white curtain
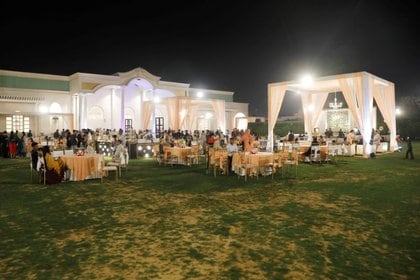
147, 114
357, 91
219, 111
184, 105
349, 86
312, 104
192, 119
385, 99
275, 100
173, 112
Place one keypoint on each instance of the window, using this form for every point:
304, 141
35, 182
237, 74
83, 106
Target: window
17, 122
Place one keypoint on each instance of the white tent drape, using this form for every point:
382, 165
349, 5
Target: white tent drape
184, 104
275, 100
173, 112
219, 110
148, 110
358, 94
385, 99
312, 104
349, 86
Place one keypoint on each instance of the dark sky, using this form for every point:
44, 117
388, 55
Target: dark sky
237, 46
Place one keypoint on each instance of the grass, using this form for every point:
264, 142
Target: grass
354, 219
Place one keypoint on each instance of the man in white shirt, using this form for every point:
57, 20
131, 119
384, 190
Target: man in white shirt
231, 148
119, 151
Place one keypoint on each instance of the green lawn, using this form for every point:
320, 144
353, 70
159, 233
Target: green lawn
354, 219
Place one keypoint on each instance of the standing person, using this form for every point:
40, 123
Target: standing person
34, 155
247, 140
409, 149
12, 144
231, 148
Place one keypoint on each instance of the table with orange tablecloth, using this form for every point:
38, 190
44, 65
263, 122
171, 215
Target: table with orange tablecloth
82, 167
177, 152
257, 160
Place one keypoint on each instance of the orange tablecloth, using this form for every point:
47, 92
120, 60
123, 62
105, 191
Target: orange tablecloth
257, 160
180, 153
83, 167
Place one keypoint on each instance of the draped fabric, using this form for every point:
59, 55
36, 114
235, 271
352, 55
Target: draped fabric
358, 94
192, 119
312, 104
184, 104
275, 100
148, 110
385, 99
219, 110
366, 103
173, 112
349, 86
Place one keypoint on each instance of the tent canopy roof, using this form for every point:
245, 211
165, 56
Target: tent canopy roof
327, 83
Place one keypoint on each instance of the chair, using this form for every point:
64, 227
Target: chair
291, 160
117, 163
221, 162
56, 154
105, 169
193, 156
159, 153
272, 167
68, 152
315, 154
124, 160
41, 172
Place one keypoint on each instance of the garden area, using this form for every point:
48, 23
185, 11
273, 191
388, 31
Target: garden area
353, 218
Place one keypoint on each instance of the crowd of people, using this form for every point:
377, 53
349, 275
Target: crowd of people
20, 144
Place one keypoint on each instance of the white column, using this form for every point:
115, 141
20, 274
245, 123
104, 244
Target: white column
77, 112
83, 111
111, 107
122, 120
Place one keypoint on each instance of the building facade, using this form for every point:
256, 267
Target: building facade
135, 99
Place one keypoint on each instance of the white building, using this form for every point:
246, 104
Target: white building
135, 99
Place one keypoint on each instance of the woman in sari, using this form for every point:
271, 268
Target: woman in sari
55, 167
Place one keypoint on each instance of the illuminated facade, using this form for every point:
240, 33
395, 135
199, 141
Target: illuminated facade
131, 100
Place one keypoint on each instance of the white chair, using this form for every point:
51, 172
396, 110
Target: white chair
315, 153
105, 169
68, 152
57, 154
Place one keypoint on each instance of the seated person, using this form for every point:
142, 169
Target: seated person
90, 150
54, 167
119, 151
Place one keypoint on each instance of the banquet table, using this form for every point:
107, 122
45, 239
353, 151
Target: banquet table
82, 167
177, 152
257, 161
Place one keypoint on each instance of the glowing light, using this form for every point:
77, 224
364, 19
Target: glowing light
200, 94
43, 109
398, 111
209, 115
156, 99
307, 80
310, 108
140, 148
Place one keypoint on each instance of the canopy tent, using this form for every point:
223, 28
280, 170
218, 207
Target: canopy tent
358, 90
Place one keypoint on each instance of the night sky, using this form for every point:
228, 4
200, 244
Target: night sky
238, 46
